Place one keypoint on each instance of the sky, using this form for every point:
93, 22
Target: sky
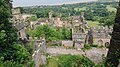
21, 3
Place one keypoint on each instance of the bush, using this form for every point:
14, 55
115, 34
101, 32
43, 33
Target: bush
87, 46
11, 63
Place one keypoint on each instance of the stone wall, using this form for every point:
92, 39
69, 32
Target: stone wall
101, 42
39, 55
102, 36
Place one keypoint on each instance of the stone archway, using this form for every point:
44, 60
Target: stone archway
100, 42
19, 34
107, 44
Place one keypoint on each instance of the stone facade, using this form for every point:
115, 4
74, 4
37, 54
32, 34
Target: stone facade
18, 22
17, 16
102, 36
83, 34
79, 31
57, 22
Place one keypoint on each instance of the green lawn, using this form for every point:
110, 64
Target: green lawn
111, 8
93, 23
52, 62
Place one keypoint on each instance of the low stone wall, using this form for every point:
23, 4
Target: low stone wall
67, 43
54, 42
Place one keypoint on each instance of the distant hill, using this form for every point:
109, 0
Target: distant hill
107, 0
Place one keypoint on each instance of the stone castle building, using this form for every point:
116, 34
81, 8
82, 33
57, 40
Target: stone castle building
18, 22
39, 45
79, 30
83, 34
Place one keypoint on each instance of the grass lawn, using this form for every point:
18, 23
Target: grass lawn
111, 8
79, 9
52, 62
93, 23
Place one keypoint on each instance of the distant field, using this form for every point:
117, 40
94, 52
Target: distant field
93, 23
111, 8
79, 9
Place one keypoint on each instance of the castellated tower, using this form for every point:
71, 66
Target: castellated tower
19, 23
50, 19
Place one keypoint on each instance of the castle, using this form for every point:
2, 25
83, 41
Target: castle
81, 33
39, 45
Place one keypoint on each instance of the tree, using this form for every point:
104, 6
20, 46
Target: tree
113, 55
10, 50
21, 9
7, 31
108, 20
51, 33
33, 18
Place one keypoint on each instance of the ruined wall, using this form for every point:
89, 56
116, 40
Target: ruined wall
102, 36
39, 55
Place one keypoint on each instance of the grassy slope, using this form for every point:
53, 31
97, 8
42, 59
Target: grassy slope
93, 23
63, 60
111, 8
52, 62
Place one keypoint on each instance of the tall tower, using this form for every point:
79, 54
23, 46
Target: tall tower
18, 22
82, 17
50, 19
50, 15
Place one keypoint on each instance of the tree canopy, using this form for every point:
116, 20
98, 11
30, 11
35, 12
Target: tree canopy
51, 33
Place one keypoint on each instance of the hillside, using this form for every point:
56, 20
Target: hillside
94, 11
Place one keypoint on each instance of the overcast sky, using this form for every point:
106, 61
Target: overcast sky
19, 3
